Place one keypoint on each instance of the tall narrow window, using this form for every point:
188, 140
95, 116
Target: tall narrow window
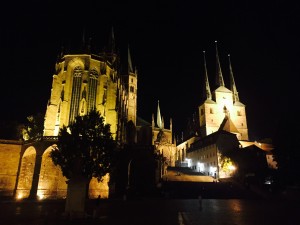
92, 90
76, 89
131, 89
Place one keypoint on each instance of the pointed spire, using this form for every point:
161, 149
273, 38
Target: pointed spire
207, 93
153, 125
219, 76
174, 140
158, 119
112, 44
232, 83
130, 68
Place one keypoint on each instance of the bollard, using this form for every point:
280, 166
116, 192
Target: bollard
200, 201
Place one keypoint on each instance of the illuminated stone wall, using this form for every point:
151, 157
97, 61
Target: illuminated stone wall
28, 161
99, 188
10, 157
51, 181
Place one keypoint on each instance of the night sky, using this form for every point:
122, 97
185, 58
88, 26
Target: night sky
167, 41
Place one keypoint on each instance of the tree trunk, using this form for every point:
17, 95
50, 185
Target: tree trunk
76, 196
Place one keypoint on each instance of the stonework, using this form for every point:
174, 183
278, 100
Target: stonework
9, 163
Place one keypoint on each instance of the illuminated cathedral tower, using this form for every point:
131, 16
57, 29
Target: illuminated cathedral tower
222, 109
86, 81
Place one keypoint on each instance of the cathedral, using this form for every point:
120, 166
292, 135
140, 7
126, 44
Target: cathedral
83, 81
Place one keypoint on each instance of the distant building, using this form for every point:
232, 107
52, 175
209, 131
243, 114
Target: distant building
221, 126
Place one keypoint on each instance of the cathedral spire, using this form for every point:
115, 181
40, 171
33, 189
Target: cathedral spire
207, 93
130, 68
219, 76
158, 119
112, 44
232, 83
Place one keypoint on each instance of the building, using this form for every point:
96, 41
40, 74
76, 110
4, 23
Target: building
82, 81
221, 127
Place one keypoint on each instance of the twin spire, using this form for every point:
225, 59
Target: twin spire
219, 78
232, 84
207, 88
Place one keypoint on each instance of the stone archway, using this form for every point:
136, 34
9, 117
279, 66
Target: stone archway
52, 184
26, 173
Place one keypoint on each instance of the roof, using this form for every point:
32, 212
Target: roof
238, 104
210, 139
263, 146
228, 125
223, 89
141, 122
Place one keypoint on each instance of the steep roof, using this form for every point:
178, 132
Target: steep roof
141, 122
211, 139
228, 125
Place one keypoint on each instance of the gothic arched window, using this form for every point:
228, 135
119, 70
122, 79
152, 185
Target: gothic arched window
76, 89
92, 89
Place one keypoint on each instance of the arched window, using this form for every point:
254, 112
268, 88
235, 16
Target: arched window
92, 89
76, 89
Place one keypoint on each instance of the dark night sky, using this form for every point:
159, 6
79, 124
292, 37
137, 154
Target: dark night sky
166, 42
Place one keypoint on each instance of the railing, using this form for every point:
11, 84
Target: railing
50, 138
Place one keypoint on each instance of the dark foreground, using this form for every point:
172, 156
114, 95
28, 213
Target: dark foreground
156, 211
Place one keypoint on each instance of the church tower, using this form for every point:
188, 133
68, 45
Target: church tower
222, 109
132, 93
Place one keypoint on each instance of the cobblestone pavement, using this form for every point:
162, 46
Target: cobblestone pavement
156, 212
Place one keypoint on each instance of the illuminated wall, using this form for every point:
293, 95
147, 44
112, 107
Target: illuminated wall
10, 157
205, 154
81, 83
51, 181
99, 188
26, 173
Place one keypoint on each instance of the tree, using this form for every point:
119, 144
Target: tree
85, 149
34, 127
